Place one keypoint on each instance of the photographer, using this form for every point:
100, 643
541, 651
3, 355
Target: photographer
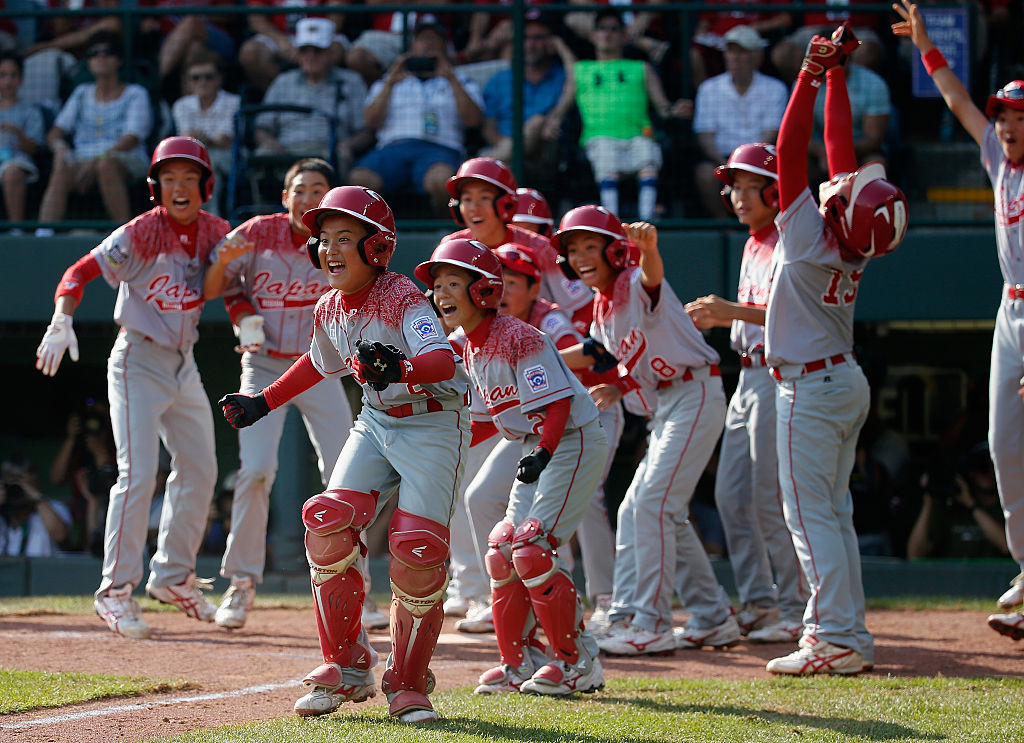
30, 524
960, 513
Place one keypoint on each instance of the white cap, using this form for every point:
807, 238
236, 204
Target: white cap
318, 32
745, 37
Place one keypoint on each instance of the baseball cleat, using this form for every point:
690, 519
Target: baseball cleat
235, 606
781, 631
599, 619
632, 640
1011, 625
818, 656
187, 596
503, 679
751, 618
559, 679
1014, 596
373, 617
328, 691
122, 613
722, 635
479, 619
455, 606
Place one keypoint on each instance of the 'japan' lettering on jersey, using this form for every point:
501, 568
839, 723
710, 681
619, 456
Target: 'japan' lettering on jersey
278, 280
395, 312
1008, 189
813, 291
754, 286
517, 372
158, 276
653, 344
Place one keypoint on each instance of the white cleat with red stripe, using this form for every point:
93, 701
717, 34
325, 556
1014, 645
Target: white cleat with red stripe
817, 656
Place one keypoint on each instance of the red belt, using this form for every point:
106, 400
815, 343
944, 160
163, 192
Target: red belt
813, 366
278, 355
754, 358
713, 371
403, 411
1014, 292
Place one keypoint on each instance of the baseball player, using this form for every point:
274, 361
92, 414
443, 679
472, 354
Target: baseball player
270, 289
1002, 154
747, 485
533, 212
410, 439
639, 319
533, 399
821, 392
157, 262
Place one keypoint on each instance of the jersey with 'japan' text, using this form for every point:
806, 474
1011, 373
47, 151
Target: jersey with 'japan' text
1008, 187
754, 285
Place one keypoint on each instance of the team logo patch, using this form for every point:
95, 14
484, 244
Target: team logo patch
116, 255
425, 327
536, 378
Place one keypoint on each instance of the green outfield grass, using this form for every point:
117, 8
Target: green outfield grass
21, 691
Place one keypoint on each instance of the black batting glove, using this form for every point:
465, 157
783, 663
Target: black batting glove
533, 464
603, 361
380, 364
241, 410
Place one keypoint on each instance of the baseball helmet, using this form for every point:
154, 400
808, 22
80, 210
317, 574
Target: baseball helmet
599, 220
518, 258
533, 208
474, 257
1010, 95
369, 208
866, 213
488, 170
180, 148
758, 158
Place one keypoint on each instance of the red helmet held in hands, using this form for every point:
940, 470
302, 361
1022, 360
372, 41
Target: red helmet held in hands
474, 257
758, 158
866, 213
488, 170
533, 208
180, 148
596, 219
369, 208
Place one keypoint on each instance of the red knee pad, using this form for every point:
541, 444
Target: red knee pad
335, 510
332, 549
498, 559
417, 541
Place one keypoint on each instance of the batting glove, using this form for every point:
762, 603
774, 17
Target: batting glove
847, 41
533, 464
603, 361
380, 364
59, 337
821, 56
241, 410
249, 332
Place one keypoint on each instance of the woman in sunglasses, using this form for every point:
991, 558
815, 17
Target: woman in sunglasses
1002, 154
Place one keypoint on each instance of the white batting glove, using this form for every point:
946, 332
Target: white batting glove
250, 334
59, 337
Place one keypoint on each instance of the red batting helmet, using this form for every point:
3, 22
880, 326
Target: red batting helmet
866, 213
474, 257
369, 208
180, 148
533, 208
518, 258
1010, 95
488, 170
758, 158
596, 219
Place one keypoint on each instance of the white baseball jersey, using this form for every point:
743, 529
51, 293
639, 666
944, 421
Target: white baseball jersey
518, 372
1008, 184
754, 285
395, 312
549, 319
813, 291
279, 280
630, 328
157, 267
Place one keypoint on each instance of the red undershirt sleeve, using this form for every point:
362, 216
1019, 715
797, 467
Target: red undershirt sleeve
481, 431
794, 139
79, 273
432, 366
556, 415
236, 304
300, 377
842, 157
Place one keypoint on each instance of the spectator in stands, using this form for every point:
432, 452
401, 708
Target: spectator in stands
420, 111
741, 105
207, 113
178, 36
108, 122
31, 525
613, 95
376, 49
636, 25
707, 52
21, 133
316, 84
73, 33
787, 55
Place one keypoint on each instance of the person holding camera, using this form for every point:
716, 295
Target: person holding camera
31, 525
419, 110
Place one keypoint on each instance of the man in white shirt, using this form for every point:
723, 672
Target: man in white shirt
31, 525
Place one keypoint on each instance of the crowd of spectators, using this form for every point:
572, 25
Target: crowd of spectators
410, 95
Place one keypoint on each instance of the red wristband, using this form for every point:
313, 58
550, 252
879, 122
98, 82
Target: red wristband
933, 60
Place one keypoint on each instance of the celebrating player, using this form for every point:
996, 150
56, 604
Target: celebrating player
533, 212
747, 485
639, 319
532, 398
410, 438
1002, 154
821, 392
156, 261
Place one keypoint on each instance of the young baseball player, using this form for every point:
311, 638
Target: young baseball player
410, 439
533, 399
533, 212
821, 392
1002, 155
157, 262
270, 289
747, 485
639, 319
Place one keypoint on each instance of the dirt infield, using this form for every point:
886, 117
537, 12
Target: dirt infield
254, 673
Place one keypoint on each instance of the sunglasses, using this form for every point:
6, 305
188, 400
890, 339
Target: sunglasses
100, 51
200, 76
1012, 92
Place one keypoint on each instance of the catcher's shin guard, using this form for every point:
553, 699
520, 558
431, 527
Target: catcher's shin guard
552, 593
419, 548
333, 521
510, 603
